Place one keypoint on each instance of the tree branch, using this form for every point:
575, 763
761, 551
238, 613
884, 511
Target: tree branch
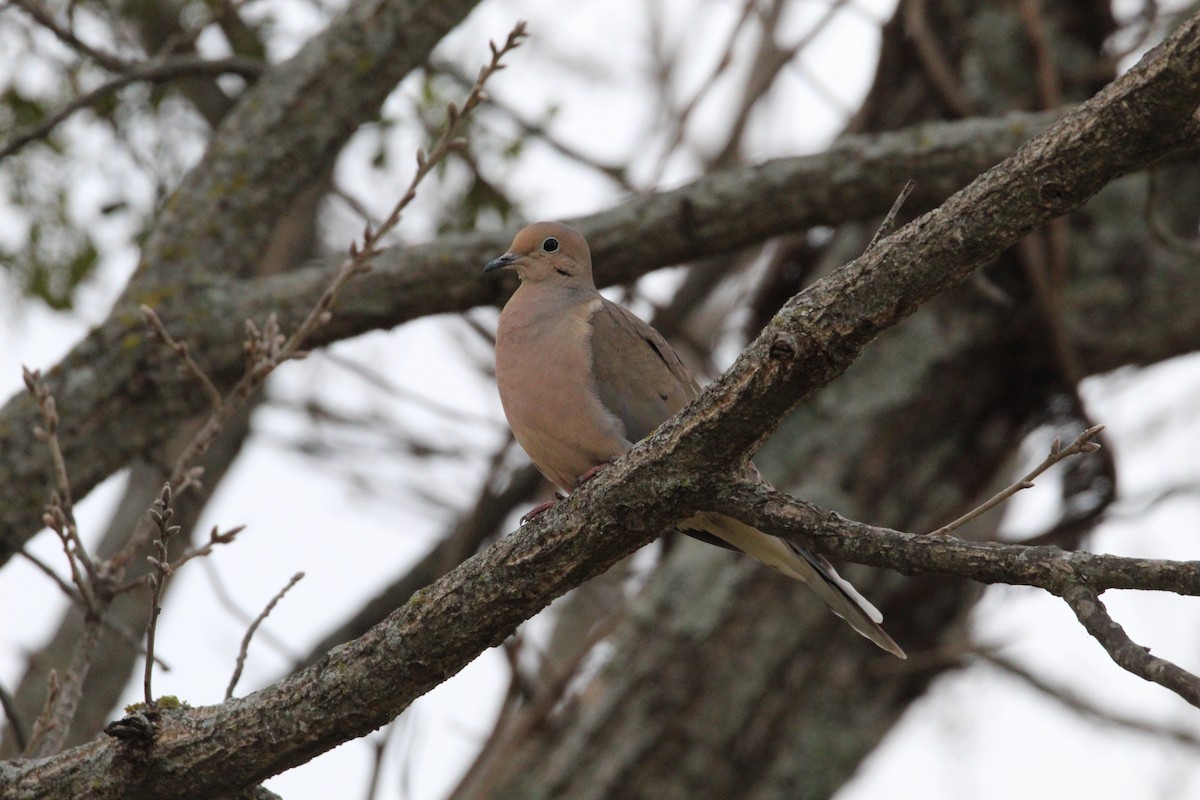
360, 686
1128, 654
150, 72
1045, 567
1076, 577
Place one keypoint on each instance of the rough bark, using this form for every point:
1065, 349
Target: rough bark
812, 340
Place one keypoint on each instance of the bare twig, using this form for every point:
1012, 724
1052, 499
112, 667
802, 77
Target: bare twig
150, 72
60, 513
69, 590
380, 746
240, 614
933, 60
72, 594
14, 719
916, 554
162, 514
91, 585
614, 172
1084, 443
215, 537
1085, 707
43, 16
241, 658
181, 349
1077, 577
447, 142
42, 725
62, 697
889, 221
516, 722
1049, 88
384, 383
681, 117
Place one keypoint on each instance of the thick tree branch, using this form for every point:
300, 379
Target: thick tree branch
364, 684
1077, 577
1049, 568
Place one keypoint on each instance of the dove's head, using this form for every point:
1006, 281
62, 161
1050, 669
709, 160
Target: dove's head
548, 252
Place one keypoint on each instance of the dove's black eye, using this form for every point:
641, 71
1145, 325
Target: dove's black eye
550, 245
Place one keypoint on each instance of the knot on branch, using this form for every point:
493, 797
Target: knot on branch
783, 348
140, 727
1052, 194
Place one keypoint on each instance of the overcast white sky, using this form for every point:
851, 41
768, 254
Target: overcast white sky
977, 734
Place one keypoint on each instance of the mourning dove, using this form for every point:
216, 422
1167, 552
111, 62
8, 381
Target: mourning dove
581, 379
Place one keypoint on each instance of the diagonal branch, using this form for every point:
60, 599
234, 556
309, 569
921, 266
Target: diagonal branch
364, 684
1128, 654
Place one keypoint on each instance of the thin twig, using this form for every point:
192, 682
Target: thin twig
150, 72
614, 172
933, 60
42, 725
181, 350
1085, 707
889, 221
917, 554
72, 594
1049, 86
1076, 577
69, 590
517, 722
380, 745
42, 16
215, 537
62, 698
162, 514
60, 513
91, 588
1083, 444
241, 659
380, 381
241, 615
682, 116
15, 726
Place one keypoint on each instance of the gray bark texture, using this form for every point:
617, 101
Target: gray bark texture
723, 681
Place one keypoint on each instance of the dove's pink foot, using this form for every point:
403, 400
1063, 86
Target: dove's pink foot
543, 507
591, 473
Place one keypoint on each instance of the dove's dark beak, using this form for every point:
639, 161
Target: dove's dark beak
503, 261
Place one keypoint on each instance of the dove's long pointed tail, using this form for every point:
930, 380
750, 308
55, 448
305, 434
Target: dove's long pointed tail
796, 562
